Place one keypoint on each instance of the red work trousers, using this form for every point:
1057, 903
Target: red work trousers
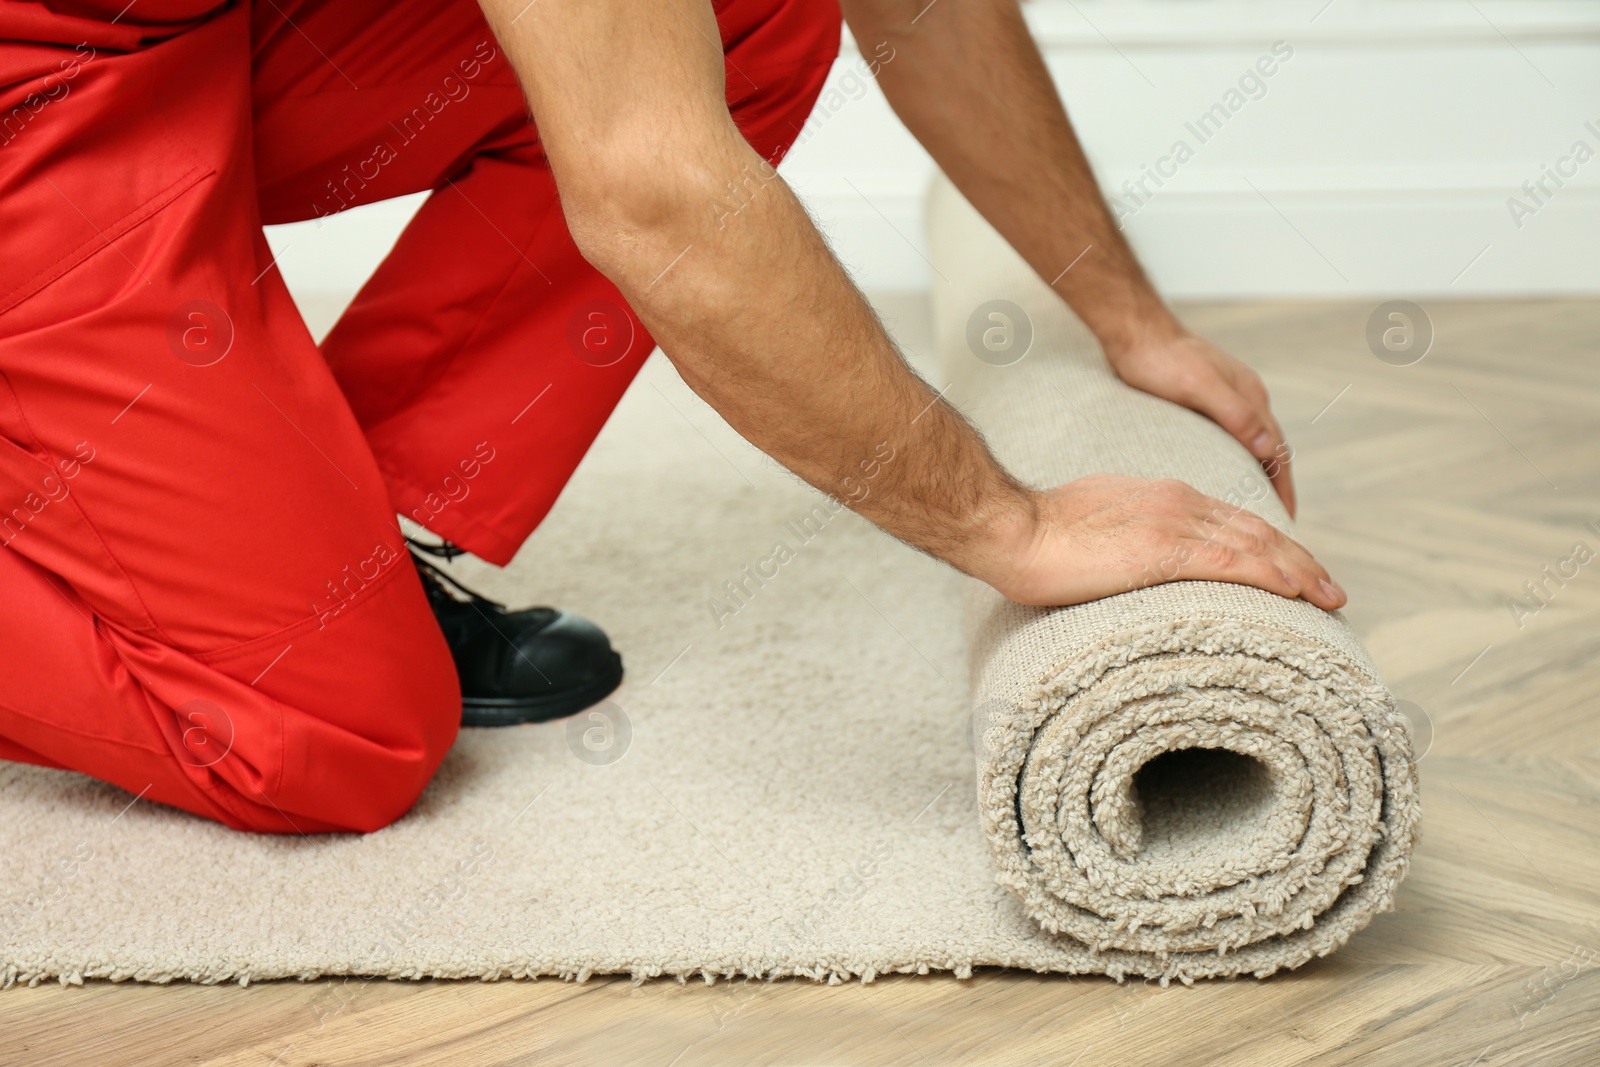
204, 596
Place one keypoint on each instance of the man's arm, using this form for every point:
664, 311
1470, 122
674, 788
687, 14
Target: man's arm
968, 81
764, 324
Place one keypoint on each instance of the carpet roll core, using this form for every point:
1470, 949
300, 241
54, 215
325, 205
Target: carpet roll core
1184, 780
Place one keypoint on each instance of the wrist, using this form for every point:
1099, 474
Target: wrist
1004, 536
1153, 327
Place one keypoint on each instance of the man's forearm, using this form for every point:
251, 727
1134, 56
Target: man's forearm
806, 343
722, 264
969, 82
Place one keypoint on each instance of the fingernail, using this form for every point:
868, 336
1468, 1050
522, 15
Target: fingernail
1332, 590
1262, 440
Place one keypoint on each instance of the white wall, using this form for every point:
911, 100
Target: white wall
1377, 160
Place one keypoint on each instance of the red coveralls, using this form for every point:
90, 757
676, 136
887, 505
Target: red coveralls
204, 597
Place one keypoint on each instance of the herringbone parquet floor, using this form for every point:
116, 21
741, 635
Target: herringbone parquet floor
1434, 492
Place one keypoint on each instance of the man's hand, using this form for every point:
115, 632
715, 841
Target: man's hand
1191, 371
1108, 534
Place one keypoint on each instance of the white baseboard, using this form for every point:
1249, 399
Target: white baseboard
1231, 244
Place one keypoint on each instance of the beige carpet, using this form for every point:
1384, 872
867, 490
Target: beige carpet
1190, 779
784, 785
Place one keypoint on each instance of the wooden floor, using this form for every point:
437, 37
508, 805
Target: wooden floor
1433, 492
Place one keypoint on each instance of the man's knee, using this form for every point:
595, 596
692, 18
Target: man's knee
779, 54
371, 797
368, 714
770, 35
386, 776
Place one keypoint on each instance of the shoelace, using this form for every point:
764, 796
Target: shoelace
447, 551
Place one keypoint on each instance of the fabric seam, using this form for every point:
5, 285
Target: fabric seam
76, 257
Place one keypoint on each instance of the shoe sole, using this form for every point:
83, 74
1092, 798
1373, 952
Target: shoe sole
514, 711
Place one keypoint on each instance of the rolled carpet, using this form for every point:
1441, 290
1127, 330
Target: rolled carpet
1185, 780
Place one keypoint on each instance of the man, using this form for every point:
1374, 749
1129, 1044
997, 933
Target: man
208, 600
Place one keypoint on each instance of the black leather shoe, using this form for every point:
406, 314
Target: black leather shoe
515, 666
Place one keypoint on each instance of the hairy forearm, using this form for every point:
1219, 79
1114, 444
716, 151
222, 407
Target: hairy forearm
968, 81
718, 259
802, 341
